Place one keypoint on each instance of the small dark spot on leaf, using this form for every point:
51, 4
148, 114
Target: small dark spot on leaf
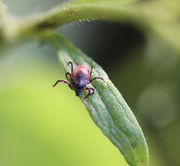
45, 25
133, 144
72, 12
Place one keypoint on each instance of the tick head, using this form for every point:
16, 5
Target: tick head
78, 92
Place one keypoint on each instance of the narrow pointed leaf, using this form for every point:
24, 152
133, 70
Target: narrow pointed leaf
107, 107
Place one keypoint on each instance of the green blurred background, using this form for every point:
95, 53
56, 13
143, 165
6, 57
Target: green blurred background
45, 126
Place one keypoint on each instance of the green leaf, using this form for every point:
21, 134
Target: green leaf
107, 107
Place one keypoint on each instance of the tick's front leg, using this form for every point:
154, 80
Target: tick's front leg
72, 68
69, 76
64, 81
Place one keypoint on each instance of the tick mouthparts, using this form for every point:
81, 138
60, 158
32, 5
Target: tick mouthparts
78, 92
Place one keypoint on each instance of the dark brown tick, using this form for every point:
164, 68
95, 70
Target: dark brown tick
80, 76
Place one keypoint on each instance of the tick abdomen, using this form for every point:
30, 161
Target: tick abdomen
81, 69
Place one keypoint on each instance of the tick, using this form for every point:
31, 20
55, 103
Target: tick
80, 77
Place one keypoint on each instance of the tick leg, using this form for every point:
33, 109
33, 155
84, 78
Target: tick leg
71, 68
91, 69
64, 81
95, 78
89, 92
68, 76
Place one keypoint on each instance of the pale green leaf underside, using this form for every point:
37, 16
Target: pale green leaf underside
106, 107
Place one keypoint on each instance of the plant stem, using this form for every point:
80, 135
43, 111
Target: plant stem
15, 28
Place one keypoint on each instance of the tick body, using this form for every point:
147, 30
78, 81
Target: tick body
80, 77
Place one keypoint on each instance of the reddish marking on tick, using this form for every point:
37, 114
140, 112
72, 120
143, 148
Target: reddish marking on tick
81, 69
80, 76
